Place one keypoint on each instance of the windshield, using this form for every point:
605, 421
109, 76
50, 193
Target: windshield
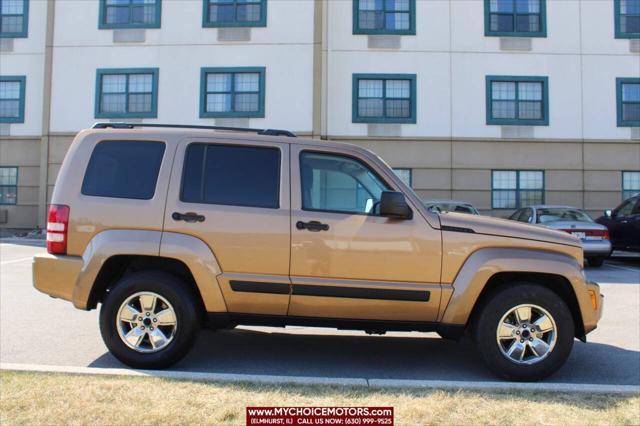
546, 215
452, 207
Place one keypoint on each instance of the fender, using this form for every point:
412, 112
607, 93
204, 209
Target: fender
484, 263
202, 263
105, 245
194, 253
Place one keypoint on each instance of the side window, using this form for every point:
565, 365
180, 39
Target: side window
626, 208
337, 183
527, 216
515, 215
231, 175
123, 169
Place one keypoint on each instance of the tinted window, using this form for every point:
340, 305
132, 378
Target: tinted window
231, 175
626, 208
338, 184
123, 169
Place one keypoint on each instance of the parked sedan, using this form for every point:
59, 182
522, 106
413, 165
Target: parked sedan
442, 206
594, 236
624, 224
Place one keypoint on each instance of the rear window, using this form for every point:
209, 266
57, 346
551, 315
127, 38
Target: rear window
123, 169
231, 175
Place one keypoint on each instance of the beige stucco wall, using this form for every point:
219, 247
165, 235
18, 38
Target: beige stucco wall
24, 153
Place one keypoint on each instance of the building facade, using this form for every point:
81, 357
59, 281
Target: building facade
498, 102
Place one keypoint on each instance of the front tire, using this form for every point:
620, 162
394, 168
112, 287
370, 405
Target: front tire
524, 332
149, 320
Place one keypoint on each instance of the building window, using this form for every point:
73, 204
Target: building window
630, 184
515, 18
234, 13
8, 185
127, 93
628, 99
518, 101
627, 18
384, 17
405, 176
14, 18
513, 189
130, 13
384, 98
232, 92
12, 99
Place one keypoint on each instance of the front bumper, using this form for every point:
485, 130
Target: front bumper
591, 317
56, 275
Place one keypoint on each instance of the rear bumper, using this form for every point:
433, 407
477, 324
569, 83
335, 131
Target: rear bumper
56, 275
596, 247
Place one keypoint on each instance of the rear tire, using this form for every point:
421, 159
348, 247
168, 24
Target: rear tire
542, 352
595, 262
154, 336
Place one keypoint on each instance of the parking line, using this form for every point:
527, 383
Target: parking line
8, 262
350, 381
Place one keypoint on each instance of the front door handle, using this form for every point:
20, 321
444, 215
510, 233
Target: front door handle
187, 217
313, 226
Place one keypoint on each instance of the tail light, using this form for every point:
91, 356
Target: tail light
57, 227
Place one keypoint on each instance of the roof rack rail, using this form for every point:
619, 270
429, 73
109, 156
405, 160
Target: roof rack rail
266, 132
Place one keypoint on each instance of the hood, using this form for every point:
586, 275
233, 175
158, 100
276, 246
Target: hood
506, 228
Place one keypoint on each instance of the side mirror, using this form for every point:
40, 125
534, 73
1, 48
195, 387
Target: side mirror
608, 213
394, 205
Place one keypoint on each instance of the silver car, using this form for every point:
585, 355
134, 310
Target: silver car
594, 237
442, 206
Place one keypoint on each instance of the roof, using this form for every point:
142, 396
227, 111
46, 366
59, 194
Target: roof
229, 133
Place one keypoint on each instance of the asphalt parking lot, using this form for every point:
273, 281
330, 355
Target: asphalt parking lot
36, 329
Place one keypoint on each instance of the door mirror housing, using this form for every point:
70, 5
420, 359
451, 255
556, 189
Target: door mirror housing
608, 213
394, 205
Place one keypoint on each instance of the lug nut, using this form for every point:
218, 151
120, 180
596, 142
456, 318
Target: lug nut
155, 320
531, 339
139, 318
142, 327
148, 313
524, 326
151, 328
518, 333
521, 340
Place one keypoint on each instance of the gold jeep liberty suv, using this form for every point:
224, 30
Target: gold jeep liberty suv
172, 228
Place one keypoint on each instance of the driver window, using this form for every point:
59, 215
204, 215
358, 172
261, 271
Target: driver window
525, 216
626, 208
338, 184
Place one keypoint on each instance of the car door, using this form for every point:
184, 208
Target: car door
241, 192
622, 223
346, 261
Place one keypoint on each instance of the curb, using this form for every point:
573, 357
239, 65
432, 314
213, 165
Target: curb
23, 241
357, 382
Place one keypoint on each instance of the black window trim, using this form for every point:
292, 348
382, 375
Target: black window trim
352, 157
184, 169
155, 189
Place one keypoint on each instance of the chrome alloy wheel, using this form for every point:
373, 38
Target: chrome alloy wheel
526, 334
146, 322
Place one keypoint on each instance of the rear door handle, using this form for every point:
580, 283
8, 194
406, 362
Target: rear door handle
189, 217
313, 226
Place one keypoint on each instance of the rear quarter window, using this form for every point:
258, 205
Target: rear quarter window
123, 169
